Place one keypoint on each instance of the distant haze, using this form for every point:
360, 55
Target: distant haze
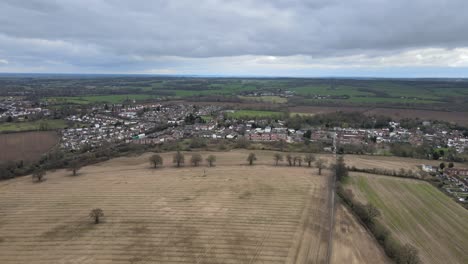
378, 38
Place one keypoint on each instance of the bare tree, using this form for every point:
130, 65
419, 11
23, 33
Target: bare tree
309, 158
38, 175
341, 171
96, 214
75, 166
289, 158
178, 158
156, 160
251, 158
196, 159
298, 159
277, 157
211, 160
320, 164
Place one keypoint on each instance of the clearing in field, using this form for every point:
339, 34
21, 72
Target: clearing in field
419, 214
26, 146
224, 214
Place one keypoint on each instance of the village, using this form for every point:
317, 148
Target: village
158, 123
14, 108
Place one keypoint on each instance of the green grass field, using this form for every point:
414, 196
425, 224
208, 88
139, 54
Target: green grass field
34, 125
418, 213
254, 114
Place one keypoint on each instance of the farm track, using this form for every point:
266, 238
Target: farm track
233, 215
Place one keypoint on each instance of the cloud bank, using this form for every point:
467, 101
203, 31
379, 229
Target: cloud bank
235, 37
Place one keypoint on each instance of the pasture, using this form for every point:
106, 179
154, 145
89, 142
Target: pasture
26, 146
417, 213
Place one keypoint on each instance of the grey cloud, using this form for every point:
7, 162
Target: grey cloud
91, 33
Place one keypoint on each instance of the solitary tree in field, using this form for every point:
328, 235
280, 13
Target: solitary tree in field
298, 159
211, 160
178, 158
196, 159
277, 157
38, 175
442, 166
309, 158
75, 166
289, 158
450, 165
320, 164
96, 214
251, 158
156, 160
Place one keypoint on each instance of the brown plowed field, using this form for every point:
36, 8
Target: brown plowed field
396, 113
233, 214
26, 146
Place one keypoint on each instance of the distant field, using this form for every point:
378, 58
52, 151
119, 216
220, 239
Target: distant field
111, 99
417, 213
268, 99
47, 124
254, 114
396, 113
26, 146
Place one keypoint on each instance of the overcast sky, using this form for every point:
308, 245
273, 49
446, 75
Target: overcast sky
387, 38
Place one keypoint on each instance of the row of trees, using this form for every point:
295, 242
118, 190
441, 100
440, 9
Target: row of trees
196, 159
179, 160
297, 160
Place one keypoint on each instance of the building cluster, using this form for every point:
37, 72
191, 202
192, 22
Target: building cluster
16, 109
96, 129
158, 123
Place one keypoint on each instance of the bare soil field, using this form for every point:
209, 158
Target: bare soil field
353, 244
26, 146
396, 113
224, 214
456, 117
419, 214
